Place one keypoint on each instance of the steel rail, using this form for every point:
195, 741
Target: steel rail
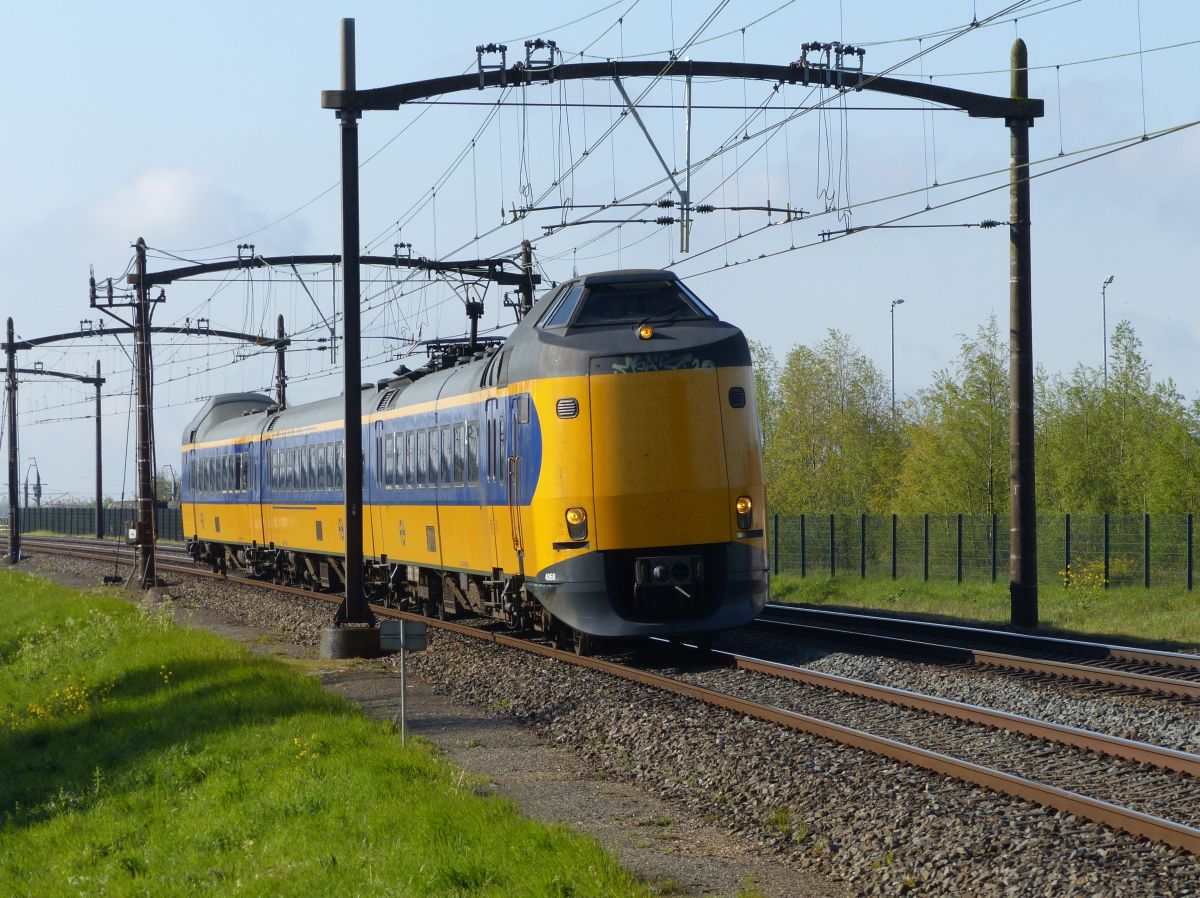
1076, 737
1136, 823
1088, 673
1077, 647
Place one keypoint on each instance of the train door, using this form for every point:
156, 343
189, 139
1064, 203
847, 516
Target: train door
190, 473
374, 543
252, 471
497, 519
516, 472
266, 495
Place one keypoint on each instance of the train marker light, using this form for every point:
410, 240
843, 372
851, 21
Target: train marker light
645, 332
577, 523
743, 507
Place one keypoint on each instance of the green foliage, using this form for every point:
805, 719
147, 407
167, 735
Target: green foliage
143, 759
832, 441
957, 456
1128, 446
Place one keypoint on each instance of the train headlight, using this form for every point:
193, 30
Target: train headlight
645, 332
577, 523
743, 506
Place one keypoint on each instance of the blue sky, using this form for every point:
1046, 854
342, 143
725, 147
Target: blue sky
197, 126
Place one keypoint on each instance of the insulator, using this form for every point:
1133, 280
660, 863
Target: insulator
666, 203
664, 220
706, 207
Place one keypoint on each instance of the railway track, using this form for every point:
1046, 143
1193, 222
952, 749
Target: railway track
1111, 666
1174, 774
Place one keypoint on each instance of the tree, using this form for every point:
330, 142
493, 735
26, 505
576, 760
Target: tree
835, 442
957, 459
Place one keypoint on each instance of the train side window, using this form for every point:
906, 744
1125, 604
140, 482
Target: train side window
410, 458
460, 454
389, 460
491, 451
421, 456
473, 452
399, 460
338, 451
447, 455
435, 457
309, 480
272, 470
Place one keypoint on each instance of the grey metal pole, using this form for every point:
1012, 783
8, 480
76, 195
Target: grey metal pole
354, 608
145, 573
1104, 317
280, 369
1023, 586
862, 547
527, 283
895, 302
14, 504
99, 461
894, 547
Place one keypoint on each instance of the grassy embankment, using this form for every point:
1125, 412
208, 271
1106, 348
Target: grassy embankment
145, 759
1160, 614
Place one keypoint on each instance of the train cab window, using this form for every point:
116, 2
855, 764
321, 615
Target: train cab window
389, 460
472, 452
561, 309
460, 454
639, 301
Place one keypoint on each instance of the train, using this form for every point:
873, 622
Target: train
596, 474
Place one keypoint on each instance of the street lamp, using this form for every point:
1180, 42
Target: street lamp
895, 302
1104, 315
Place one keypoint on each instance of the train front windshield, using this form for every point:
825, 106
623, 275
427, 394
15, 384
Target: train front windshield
627, 303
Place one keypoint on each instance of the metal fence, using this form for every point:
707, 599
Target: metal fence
1112, 550
80, 520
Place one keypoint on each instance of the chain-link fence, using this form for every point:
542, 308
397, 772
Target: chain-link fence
1113, 550
80, 520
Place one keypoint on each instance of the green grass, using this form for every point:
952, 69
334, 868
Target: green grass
145, 759
1159, 615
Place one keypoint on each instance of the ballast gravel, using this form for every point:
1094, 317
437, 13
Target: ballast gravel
885, 828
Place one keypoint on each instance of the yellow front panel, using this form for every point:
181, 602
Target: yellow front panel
565, 480
743, 458
659, 473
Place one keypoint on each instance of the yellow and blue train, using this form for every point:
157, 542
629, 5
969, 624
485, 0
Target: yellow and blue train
598, 473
